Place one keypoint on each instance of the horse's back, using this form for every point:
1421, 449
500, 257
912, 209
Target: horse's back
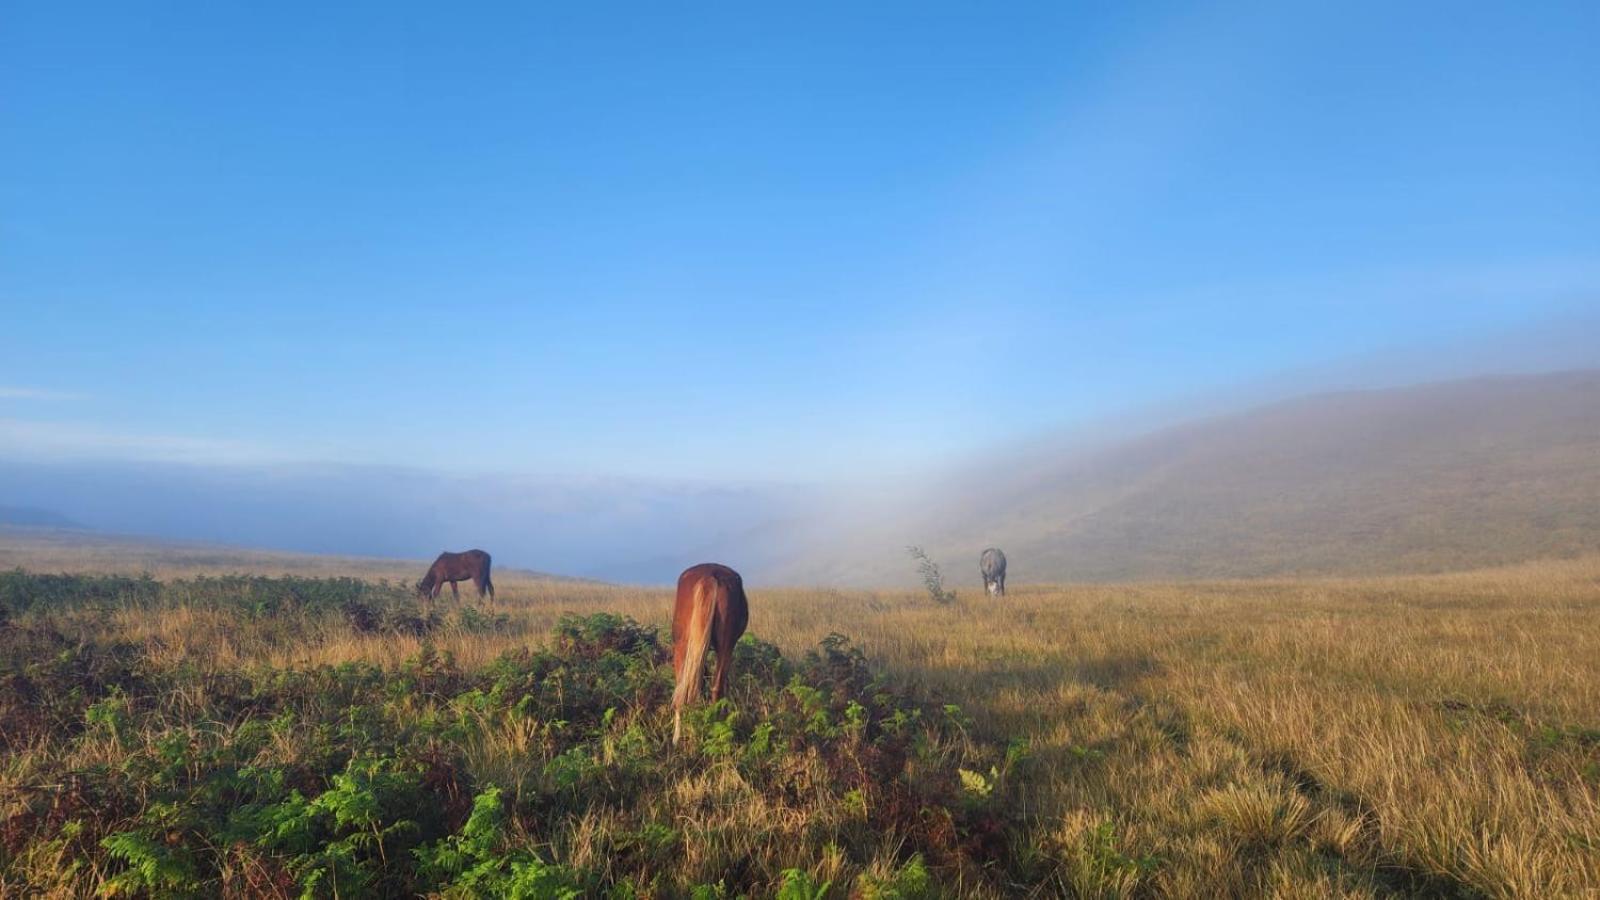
731, 600
467, 561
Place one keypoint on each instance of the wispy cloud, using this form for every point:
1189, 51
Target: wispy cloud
57, 441
15, 392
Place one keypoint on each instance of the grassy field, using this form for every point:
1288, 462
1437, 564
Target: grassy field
86, 552
1428, 736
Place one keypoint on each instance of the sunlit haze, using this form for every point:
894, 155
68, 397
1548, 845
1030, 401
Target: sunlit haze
800, 247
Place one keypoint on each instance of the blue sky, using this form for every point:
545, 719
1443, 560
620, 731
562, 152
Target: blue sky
726, 242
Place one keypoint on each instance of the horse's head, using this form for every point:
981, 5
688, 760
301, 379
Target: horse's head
993, 588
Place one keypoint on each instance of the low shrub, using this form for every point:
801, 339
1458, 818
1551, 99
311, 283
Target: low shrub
547, 773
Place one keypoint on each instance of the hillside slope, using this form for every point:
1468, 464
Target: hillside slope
1437, 477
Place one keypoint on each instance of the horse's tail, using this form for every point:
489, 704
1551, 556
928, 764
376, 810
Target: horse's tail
696, 639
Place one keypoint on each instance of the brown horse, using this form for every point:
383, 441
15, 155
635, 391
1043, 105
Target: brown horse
711, 607
454, 567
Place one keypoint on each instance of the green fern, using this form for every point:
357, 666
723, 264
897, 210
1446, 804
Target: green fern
475, 863
798, 885
911, 882
153, 868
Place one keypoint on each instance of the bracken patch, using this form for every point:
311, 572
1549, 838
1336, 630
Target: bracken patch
545, 772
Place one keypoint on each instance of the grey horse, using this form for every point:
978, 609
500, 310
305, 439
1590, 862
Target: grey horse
993, 565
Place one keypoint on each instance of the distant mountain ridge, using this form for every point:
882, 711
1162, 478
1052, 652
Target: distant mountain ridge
34, 517
1434, 477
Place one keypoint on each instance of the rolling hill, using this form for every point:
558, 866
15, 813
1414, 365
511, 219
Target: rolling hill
1435, 477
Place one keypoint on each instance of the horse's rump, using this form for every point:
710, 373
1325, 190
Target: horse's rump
710, 608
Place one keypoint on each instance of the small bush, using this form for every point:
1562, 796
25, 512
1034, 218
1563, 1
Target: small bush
932, 578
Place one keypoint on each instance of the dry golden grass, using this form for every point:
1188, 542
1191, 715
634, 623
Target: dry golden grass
1431, 735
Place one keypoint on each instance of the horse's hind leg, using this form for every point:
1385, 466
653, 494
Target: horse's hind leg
490, 585
719, 681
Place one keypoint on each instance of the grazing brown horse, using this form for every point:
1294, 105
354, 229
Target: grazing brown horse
711, 607
454, 567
